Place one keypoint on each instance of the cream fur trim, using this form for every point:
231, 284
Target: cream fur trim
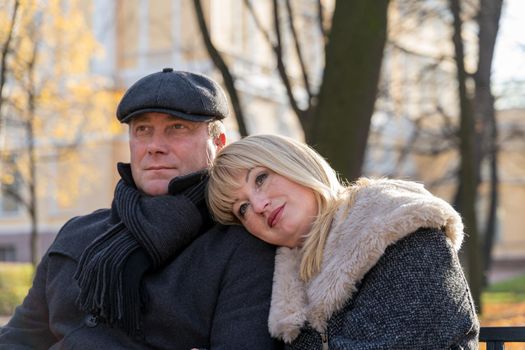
384, 212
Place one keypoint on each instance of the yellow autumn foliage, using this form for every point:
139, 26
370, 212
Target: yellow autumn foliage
52, 49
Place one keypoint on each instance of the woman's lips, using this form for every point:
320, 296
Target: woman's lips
275, 216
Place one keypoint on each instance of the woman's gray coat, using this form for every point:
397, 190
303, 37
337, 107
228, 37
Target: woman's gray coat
390, 278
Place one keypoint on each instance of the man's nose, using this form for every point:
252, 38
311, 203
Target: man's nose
157, 144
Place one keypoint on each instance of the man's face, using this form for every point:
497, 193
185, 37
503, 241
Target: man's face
163, 147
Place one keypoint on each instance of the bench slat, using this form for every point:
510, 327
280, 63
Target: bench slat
495, 337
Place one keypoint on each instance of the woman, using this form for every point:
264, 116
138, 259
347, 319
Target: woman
372, 265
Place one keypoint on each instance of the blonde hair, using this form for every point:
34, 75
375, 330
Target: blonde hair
289, 158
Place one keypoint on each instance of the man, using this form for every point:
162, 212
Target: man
153, 271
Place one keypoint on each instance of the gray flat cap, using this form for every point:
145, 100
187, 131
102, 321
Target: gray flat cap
181, 94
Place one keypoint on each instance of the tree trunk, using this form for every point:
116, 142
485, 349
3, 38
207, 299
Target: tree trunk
488, 22
33, 200
346, 100
30, 124
490, 229
468, 177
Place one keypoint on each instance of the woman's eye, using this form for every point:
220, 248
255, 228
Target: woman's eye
242, 209
259, 179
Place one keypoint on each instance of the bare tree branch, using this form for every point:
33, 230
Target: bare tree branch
277, 49
227, 77
6, 48
258, 23
16, 195
320, 20
412, 52
281, 68
299, 51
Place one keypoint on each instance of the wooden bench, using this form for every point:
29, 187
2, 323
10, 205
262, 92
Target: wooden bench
496, 337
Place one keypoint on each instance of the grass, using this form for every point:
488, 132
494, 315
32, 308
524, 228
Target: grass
514, 285
509, 291
15, 280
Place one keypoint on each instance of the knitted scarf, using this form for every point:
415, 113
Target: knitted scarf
150, 232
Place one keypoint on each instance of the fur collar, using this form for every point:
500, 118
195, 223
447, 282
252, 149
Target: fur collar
384, 212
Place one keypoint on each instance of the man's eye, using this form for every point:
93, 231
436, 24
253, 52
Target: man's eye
259, 179
142, 129
242, 210
178, 126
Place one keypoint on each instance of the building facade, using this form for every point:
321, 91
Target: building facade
139, 37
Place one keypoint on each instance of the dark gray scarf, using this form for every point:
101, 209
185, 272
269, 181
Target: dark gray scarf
150, 232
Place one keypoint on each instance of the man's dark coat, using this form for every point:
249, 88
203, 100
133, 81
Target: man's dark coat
215, 294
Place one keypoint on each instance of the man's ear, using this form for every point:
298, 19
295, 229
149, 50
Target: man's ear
220, 141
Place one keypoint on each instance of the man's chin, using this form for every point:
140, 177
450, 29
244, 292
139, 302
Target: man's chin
156, 187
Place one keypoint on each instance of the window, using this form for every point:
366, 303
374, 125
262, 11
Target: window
7, 253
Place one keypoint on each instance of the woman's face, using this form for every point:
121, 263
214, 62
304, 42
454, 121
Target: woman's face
273, 208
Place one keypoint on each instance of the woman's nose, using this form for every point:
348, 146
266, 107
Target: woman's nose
260, 203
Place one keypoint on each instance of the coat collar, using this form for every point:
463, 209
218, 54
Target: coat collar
384, 212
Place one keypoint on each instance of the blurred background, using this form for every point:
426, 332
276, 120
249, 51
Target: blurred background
426, 90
